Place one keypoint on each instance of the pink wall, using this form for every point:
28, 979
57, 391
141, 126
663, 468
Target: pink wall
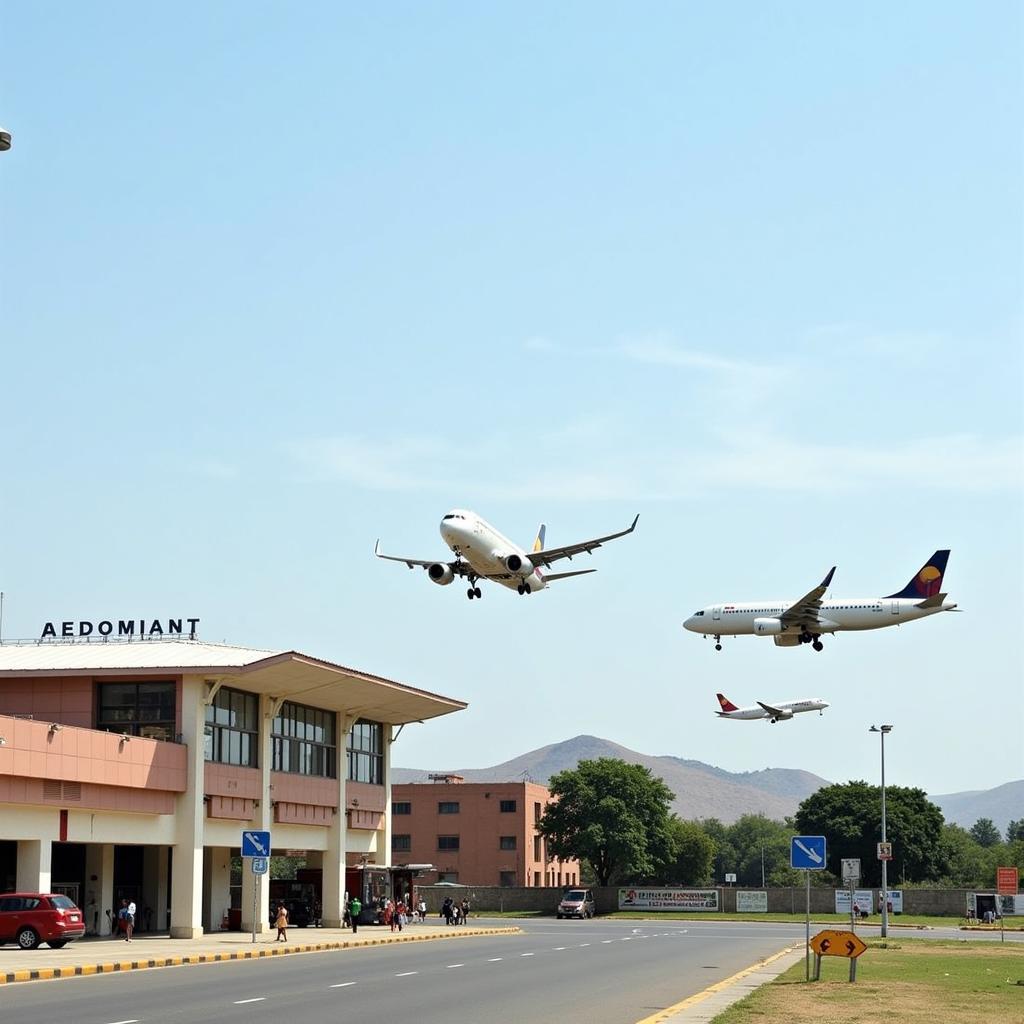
232, 791
65, 700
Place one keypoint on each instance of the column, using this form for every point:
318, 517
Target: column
216, 886
333, 888
261, 819
187, 863
34, 865
99, 887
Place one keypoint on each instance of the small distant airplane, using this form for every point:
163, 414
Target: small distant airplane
780, 712
482, 553
792, 623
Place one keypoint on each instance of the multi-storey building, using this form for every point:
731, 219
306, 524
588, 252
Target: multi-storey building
476, 833
131, 769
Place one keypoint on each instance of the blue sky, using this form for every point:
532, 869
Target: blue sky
278, 280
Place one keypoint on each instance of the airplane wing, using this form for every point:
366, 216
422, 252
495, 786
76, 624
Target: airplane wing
807, 608
549, 576
458, 567
774, 712
550, 555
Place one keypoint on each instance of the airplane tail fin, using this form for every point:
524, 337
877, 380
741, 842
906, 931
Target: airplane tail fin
927, 582
538, 543
727, 705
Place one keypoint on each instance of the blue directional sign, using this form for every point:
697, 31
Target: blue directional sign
807, 852
260, 865
255, 844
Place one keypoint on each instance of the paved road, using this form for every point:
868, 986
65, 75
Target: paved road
601, 972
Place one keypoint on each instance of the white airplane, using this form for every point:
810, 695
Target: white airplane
482, 553
781, 712
792, 623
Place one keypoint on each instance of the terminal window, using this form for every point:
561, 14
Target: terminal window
231, 733
304, 741
139, 709
366, 753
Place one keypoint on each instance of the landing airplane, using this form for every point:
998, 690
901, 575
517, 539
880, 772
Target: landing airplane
792, 623
482, 553
781, 712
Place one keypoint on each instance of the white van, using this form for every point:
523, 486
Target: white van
576, 903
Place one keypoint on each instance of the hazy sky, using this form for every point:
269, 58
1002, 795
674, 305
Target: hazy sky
280, 279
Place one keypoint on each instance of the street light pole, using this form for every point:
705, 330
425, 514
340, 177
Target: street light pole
885, 863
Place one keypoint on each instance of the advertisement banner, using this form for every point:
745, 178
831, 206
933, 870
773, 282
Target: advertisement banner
861, 897
668, 899
751, 902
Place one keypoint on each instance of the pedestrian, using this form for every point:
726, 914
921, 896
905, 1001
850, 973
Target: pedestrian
282, 923
422, 909
465, 910
400, 913
129, 921
355, 907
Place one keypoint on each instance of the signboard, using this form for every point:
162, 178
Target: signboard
730, 876
885, 851
895, 901
668, 899
1006, 881
255, 844
751, 902
837, 943
132, 628
862, 900
851, 870
807, 852
260, 865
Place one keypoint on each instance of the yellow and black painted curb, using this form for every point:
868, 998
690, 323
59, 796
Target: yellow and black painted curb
113, 967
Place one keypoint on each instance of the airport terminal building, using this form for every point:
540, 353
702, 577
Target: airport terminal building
130, 768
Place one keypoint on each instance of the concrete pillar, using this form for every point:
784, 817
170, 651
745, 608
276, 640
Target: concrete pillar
333, 858
216, 886
34, 865
99, 887
187, 863
262, 818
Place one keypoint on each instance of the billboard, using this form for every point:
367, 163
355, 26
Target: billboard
751, 902
668, 899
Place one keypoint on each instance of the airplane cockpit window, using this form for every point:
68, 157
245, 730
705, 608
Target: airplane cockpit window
449, 516
699, 613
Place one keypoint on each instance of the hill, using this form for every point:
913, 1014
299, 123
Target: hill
701, 790
1003, 804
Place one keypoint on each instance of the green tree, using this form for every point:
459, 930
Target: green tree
694, 856
1015, 831
962, 859
611, 814
985, 833
849, 815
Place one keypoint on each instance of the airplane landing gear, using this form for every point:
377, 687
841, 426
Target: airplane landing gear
474, 590
818, 645
523, 588
718, 642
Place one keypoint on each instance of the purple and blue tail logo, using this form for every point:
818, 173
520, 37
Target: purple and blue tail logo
928, 580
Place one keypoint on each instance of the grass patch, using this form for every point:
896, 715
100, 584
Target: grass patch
917, 982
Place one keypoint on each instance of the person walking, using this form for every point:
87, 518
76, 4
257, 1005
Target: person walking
282, 923
465, 910
422, 908
355, 907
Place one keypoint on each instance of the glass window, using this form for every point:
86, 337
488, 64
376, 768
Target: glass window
507, 842
401, 807
447, 876
231, 735
401, 844
139, 709
507, 879
303, 741
507, 807
366, 753
447, 842
448, 807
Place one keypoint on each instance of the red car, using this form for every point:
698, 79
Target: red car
29, 918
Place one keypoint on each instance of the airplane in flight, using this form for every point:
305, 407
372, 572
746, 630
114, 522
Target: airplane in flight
792, 623
482, 553
781, 712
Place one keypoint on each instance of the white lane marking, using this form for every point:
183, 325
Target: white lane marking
607, 942
406, 974
526, 954
450, 966
343, 984
495, 959
134, 1020
242, 1002
583, 945
558, 949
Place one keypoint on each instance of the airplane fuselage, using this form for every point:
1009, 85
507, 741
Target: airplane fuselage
835, 616
788, 709
486, 549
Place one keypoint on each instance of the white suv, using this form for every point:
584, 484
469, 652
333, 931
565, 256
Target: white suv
576, 903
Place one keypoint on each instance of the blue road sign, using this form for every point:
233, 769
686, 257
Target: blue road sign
260, 865
807, 852
255, 844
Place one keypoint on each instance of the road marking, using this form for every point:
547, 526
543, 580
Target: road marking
450, 966
406, 974
242, 1002
558, 949
583, 945
343, 984
607, 942
526, 954
495, 959
134, 1020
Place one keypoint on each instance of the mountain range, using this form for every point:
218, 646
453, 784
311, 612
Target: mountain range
704, 791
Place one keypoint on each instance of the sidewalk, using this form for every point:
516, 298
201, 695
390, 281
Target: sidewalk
108, 954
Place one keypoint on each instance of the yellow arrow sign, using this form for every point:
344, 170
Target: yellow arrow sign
836, 943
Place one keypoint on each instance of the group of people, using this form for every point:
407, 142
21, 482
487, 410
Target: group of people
453, 911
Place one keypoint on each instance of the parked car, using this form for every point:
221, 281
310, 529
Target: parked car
576, 903
29, 918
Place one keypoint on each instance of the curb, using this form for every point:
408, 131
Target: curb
114, 967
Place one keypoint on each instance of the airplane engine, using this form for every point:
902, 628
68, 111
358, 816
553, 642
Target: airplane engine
442, 575
518, 565
787, 640
767, 627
